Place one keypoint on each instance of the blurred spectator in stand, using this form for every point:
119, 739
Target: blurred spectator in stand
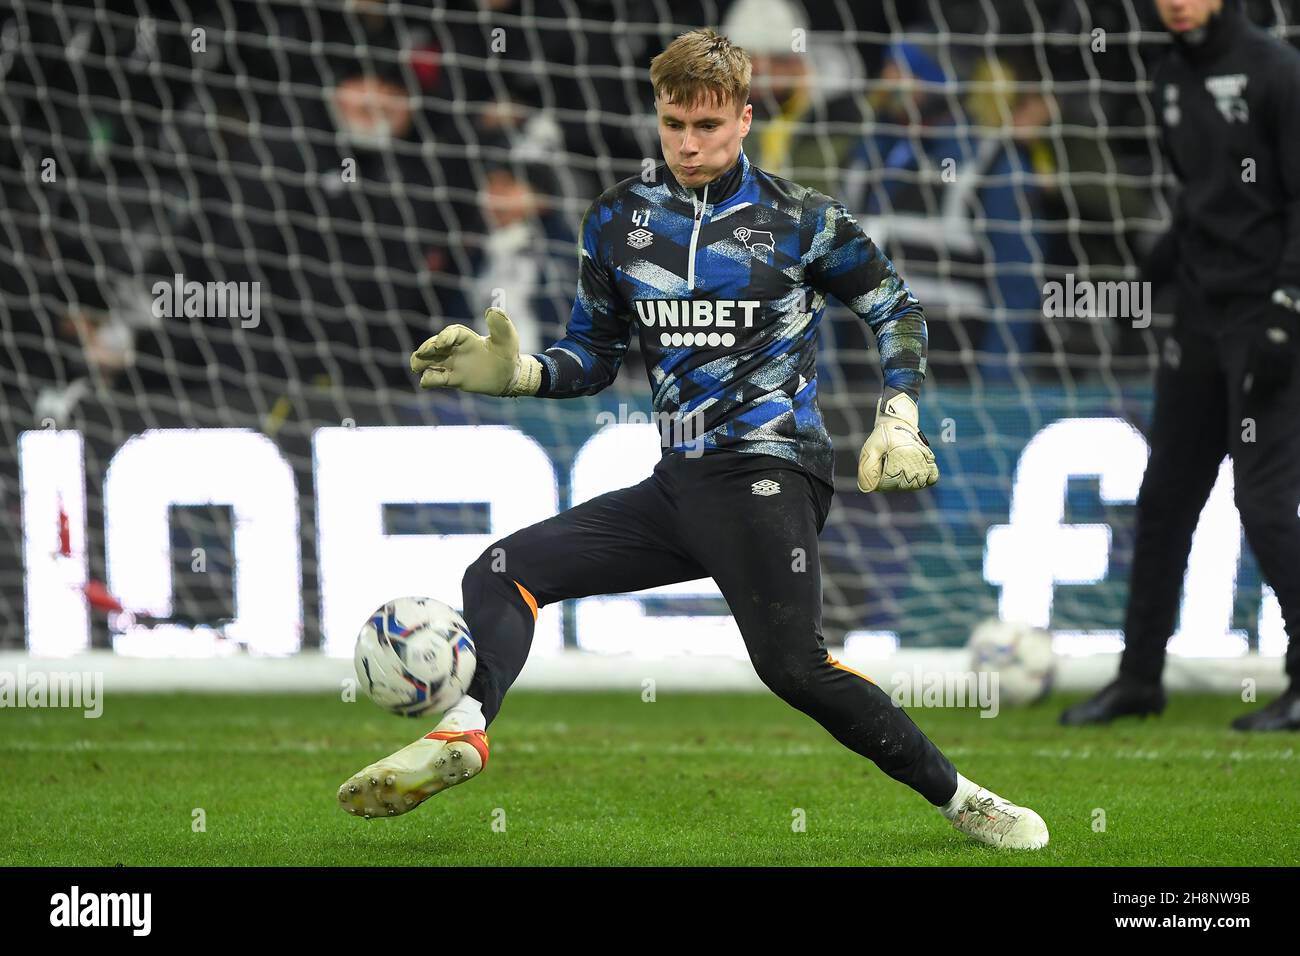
956, 205
529, 261
950, 203
1012, 157
804, 124
107, 340
332, 211
106, 76
94, 338
371, 229
515, 58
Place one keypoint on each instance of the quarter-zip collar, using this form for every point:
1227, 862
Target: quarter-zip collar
719, 189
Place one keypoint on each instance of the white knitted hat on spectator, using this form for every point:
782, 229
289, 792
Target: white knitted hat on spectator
764, 26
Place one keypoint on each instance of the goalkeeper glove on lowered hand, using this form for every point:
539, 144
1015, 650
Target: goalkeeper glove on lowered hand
458, 357
896, 456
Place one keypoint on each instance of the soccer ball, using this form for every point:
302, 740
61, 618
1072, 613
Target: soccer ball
415, 656
1019, 654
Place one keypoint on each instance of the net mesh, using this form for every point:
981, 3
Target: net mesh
363, 173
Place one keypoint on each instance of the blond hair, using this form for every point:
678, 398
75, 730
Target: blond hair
702, 66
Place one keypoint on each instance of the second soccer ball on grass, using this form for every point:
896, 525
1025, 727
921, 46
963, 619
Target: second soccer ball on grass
1021, 656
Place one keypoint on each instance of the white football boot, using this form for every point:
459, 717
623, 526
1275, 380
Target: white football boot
984, 816
404, 780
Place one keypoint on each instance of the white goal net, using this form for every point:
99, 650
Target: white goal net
225, 225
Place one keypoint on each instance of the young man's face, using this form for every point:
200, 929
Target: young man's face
1180, 16
703, 142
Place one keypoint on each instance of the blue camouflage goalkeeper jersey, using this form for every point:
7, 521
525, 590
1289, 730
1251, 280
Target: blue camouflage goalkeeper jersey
726, 285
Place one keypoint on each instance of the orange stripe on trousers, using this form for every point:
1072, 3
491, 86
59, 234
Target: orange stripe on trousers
528, 598
834, 663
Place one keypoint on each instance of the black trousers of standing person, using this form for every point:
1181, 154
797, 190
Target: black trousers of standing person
733, 516
1201, 414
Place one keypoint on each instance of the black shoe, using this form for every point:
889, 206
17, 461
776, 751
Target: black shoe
1117, 699
1282, 714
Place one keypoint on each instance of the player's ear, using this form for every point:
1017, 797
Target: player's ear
746, 118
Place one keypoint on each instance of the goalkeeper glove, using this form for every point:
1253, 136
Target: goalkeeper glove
458, 357
896, 456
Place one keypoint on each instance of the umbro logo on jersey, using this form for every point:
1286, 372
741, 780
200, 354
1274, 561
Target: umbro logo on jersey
640, 238
766, 487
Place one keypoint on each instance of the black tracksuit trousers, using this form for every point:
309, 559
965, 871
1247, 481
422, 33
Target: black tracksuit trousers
696, 517
1201, 414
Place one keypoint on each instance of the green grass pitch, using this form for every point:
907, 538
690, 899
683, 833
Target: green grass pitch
605, 778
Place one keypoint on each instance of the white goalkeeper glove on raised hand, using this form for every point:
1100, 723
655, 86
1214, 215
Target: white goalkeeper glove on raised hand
896, 456
458, 357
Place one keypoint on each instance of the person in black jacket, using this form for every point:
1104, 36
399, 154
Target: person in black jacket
1228, 96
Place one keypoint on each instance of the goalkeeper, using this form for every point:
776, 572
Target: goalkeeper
724, 271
